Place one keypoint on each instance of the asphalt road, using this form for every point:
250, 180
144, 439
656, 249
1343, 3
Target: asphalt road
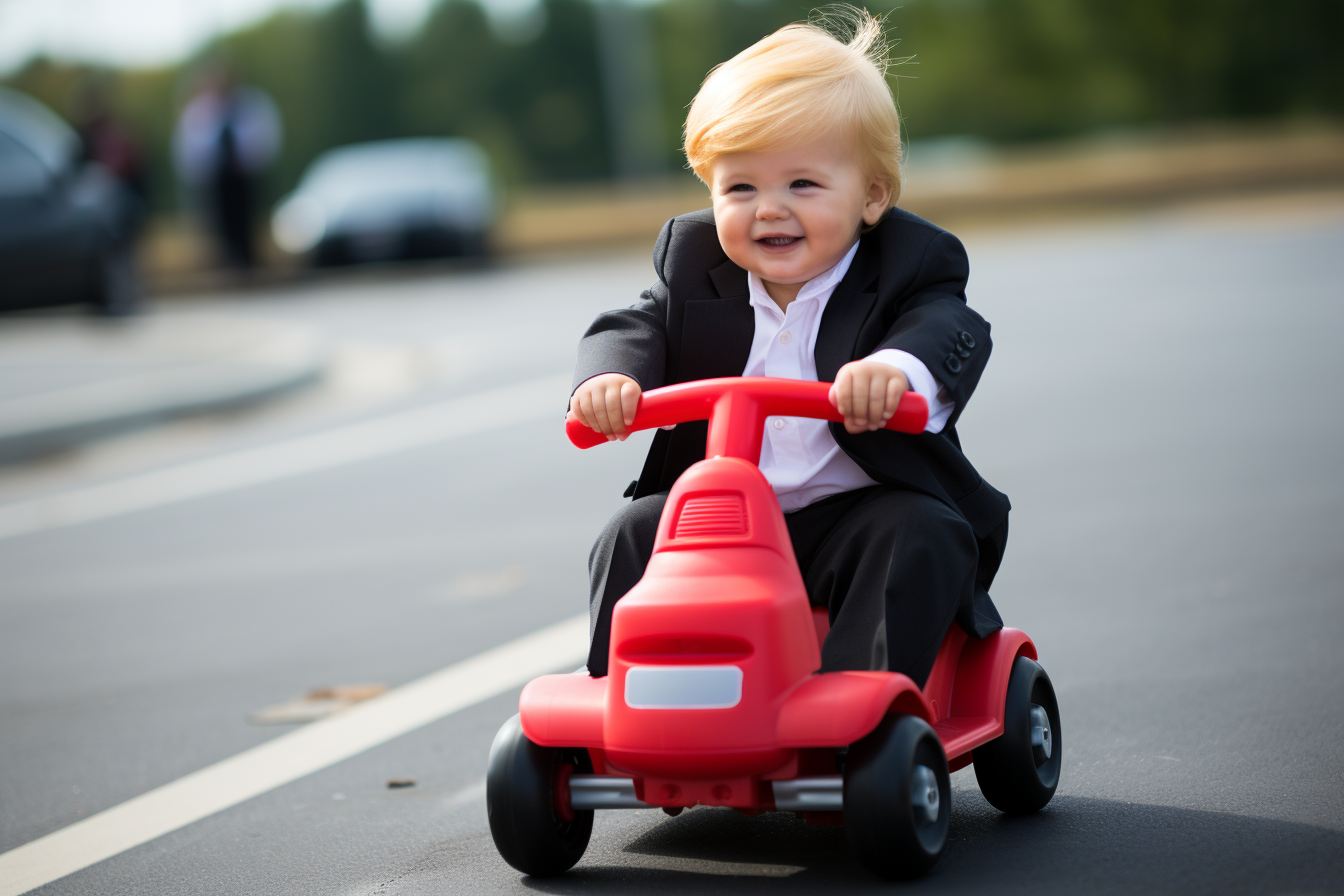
1161, 407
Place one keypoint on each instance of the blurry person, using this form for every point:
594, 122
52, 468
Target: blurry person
111, 143
226, 138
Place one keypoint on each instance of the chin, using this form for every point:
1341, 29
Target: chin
789, 275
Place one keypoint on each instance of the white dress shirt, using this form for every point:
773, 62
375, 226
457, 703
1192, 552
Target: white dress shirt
799, 457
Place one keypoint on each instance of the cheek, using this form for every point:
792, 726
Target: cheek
837, 220
824, 224
733, 221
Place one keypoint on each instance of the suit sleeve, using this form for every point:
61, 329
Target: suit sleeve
921, 382
936, 326
633, 340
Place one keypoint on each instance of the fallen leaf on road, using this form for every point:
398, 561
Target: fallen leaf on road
316, 704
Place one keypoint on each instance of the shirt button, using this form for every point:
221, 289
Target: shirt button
785, 338
779, 423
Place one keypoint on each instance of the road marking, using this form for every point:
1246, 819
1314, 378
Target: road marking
465, 416
292, 756
704, 866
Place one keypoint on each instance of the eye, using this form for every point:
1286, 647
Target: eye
740, 188
802, 183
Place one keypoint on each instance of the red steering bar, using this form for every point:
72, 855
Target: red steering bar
736, 408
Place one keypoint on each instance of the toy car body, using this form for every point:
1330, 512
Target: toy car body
713, 695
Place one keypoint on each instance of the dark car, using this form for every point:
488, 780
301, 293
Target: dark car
412, 198
65, 226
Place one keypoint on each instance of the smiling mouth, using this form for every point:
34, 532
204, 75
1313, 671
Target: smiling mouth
779, 240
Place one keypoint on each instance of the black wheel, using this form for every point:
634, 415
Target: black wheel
898, 798
1019, 770
520, 800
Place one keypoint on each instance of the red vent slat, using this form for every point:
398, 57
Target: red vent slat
709, 516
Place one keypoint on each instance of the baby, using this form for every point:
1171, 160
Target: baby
804, 269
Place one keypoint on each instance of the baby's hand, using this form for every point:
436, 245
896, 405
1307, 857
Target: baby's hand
606, 403
867, 393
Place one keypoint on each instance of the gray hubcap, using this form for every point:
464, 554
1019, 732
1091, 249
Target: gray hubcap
924, 793
1041, 743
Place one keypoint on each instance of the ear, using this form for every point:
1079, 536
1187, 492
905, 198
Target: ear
877, 201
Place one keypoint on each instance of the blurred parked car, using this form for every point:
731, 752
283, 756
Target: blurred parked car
65, 225
415, 198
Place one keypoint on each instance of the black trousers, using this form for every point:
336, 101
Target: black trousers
890, 566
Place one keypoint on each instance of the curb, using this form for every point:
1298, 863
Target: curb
32, 425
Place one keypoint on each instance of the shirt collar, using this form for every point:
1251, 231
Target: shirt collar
818, 287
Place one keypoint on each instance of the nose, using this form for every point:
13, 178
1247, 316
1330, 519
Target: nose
769, 208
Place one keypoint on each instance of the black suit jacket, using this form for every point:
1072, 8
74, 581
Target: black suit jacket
906, 289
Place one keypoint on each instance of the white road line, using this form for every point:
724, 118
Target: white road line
705, 866
468, 415
291, 756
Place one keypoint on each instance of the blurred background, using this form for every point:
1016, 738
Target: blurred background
289, 300
577, 106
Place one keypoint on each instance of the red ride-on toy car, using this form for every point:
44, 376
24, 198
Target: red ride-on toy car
713, 695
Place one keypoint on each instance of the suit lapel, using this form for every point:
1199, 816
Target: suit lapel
722, 327
848, 308
730, 281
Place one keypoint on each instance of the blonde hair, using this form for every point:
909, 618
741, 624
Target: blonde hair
824, 76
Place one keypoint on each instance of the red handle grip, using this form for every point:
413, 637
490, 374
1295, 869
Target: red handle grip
737, 407
581, 436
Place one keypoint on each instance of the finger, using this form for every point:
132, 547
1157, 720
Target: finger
614, 411
877, 400
586, 410
859, 403
576, 410
844, 384
894, 392
629, 402
599, 413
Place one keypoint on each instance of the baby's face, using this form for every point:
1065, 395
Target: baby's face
790, 215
